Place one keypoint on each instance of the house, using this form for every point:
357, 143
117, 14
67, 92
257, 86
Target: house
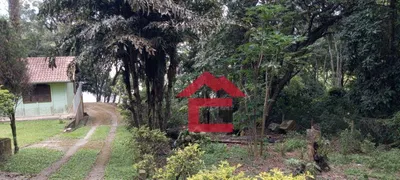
53, 93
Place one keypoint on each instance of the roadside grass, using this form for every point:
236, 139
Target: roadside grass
120, 165
78, 166
78, 133
29, 132
101, 133
31, 160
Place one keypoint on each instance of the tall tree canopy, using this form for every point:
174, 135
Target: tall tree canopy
143, 35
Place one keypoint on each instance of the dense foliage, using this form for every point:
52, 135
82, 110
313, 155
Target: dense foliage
326, 62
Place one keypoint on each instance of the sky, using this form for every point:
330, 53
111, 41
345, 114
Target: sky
3, 7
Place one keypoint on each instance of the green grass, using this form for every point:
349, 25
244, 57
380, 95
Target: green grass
76, 134
31, 160
101, 133
122, 158
379, 164
29, 132
216, 152
78, 166
292, 144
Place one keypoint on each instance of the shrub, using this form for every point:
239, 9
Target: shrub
214, 152
183, 164
223, 172
147, 164
292, 144
275, 174
350, 141
226, 172
149, 141
367, 146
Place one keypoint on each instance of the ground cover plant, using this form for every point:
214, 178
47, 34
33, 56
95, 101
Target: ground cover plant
31, 161
30, 132
78, 166
122, 157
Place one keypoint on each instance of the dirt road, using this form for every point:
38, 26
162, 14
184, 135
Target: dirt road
100, 114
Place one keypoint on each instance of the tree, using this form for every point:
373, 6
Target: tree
141, 35
13, 75
371, 40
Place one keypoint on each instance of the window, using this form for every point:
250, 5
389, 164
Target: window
40, 93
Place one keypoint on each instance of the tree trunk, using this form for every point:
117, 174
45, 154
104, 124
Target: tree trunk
135, 75
14, 132
339, 67
128, 88
14, 10
98, 97
171, 80
149, 105
265, 110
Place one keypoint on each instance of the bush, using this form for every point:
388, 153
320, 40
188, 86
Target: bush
222, 172
147, 164
149, 141
183, 164
350, 141
226, 172
214, 152
367, 146
294, 143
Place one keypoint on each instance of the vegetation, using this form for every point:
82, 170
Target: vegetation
182, 164
377, 164
100, 134
332, 65
13, 73
78, 166
33, 131
122, 157
31, 161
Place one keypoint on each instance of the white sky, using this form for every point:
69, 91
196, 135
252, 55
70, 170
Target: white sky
3, 7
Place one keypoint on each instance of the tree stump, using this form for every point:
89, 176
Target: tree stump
313, 136
5, 148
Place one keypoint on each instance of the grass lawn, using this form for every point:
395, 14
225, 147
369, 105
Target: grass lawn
78, 166
29, 132
100, 134
31, 160
122, 157
76, 134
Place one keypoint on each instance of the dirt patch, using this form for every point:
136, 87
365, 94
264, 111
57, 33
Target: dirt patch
94, 145
45, 174
54, 143
13, 176
101, 113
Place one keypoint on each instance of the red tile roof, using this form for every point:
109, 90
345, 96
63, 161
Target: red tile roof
39, 71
